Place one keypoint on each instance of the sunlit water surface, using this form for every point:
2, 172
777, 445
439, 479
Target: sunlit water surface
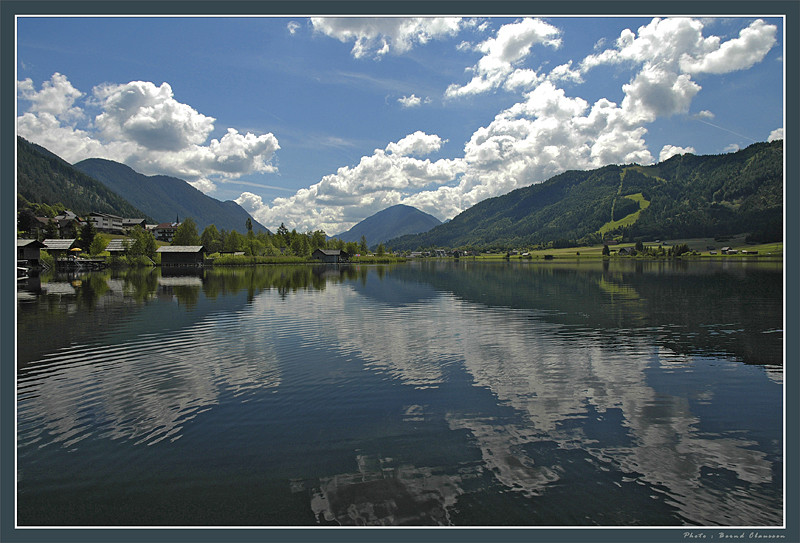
439, 393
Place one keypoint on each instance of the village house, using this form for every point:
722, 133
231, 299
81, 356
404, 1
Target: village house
165, 231
69, 224
28, 251
330, 256
106, 222
127, 224
181, 255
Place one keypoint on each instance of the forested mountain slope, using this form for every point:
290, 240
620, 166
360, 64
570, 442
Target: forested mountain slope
167, 198
43, 177
685, 196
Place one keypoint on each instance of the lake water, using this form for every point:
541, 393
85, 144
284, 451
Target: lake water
426, 393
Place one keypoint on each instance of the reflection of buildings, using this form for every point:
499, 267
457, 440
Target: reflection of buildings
143, 389
561, 383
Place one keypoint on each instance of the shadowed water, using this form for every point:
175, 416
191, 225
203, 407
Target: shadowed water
435, 393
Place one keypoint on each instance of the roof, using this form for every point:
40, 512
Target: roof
30, 243
167, 225
99, 214
59, 244
118, 244
180, 249
330, 252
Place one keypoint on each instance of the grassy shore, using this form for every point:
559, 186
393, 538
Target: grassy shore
698, 246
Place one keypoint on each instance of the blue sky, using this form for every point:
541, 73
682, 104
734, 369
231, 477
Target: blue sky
320, 123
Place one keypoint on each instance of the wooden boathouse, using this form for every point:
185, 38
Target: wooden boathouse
181, 255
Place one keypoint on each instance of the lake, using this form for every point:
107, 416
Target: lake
417, 394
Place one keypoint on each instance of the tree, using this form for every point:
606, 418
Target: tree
233, 241
186, 234
143, 243
300, 246
51, 230
362, 247
211, 239
249, 225
26, 220
606, 250
381, 249
98, 245
87, 235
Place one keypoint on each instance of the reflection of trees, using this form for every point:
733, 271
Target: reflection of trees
634, 298
284, 279
140, 283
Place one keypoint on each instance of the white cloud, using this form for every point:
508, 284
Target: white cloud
413, 101
565, 72
669, 51
776, 134
669, 151
57, 97
378, 36
380, 180
503, 54
204, 185
143, 126
732, 148
292, 27
752, 45
419, 144
705, 114
149, 116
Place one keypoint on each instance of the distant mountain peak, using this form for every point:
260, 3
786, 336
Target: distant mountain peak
397, 220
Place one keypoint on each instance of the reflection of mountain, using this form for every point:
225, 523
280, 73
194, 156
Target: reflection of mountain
678, 304
450, 401
562, 380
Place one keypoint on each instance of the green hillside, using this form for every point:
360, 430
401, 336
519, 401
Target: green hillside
167, 198
43, 177
685, 196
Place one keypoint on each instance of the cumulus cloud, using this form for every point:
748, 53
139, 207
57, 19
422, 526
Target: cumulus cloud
292, 26
341, 199
143, 126
375, 36
753, 43
669, 51
149, 116
56, 97
669, 151
503, 54
413, 101
776, 134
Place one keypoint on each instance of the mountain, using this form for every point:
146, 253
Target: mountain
43, 177
683, 197
166, 198
390, 223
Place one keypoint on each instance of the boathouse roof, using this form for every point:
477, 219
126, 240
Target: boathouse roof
30, 243
180, 249
118, 245
59, 244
